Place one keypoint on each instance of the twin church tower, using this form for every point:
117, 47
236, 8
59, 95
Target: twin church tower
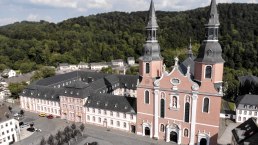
183, 105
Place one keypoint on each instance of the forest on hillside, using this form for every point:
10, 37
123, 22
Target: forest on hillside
26, 46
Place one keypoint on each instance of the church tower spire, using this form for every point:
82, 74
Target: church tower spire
190, 52
209, 60
151, 63
152, 24
213, 24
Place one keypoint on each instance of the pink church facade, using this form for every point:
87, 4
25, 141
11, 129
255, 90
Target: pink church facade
181, 106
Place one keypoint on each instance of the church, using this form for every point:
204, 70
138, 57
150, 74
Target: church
180, 106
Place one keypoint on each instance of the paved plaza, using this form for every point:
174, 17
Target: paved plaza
92, 133
100, 134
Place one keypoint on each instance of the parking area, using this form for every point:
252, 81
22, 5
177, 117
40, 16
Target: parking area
45, 125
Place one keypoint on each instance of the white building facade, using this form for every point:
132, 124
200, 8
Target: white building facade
9, 131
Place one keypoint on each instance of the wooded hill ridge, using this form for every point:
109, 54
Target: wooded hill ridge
103, 37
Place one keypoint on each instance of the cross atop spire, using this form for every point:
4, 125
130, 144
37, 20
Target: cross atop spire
152, 22
213, 14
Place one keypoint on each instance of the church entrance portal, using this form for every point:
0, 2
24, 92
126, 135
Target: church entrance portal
203, 141
173, 136
147, 131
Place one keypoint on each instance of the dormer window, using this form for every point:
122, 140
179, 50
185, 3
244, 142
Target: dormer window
71, 92
65, 91
106, 104
115, 105
77, 93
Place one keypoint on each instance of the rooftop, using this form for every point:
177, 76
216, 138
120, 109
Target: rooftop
246, 133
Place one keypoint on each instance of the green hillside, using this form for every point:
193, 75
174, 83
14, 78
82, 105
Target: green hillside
104, 37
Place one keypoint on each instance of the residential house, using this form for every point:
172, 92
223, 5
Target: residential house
83, 65
9, 127
246, 107
63, 67
246, 133
8, 73
117, 63
99, 65
130, 61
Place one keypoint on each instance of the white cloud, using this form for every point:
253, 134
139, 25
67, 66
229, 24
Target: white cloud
75, 4
32, 17
5, 21
57, 3
35, 10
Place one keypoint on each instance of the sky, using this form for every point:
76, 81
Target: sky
58, 10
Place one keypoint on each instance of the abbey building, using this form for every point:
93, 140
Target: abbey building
181, 106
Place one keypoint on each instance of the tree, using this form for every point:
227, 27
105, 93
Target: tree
43, 72
76, 132
7, 115
67, 137
16, 88
107, 70
94, 143
50, 140
82, 127
10, 108
133, 70
43, 141
21, 112
58, 137
73, 126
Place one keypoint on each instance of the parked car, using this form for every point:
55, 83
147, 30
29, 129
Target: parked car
42, 114
16, 115
38, 130
50, 116
31, 129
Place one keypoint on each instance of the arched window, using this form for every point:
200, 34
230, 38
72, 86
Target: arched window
206, 105
186, 132
162, 128
147, 69
162, 108
208, 72
187, 111
174, 101
147, 97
